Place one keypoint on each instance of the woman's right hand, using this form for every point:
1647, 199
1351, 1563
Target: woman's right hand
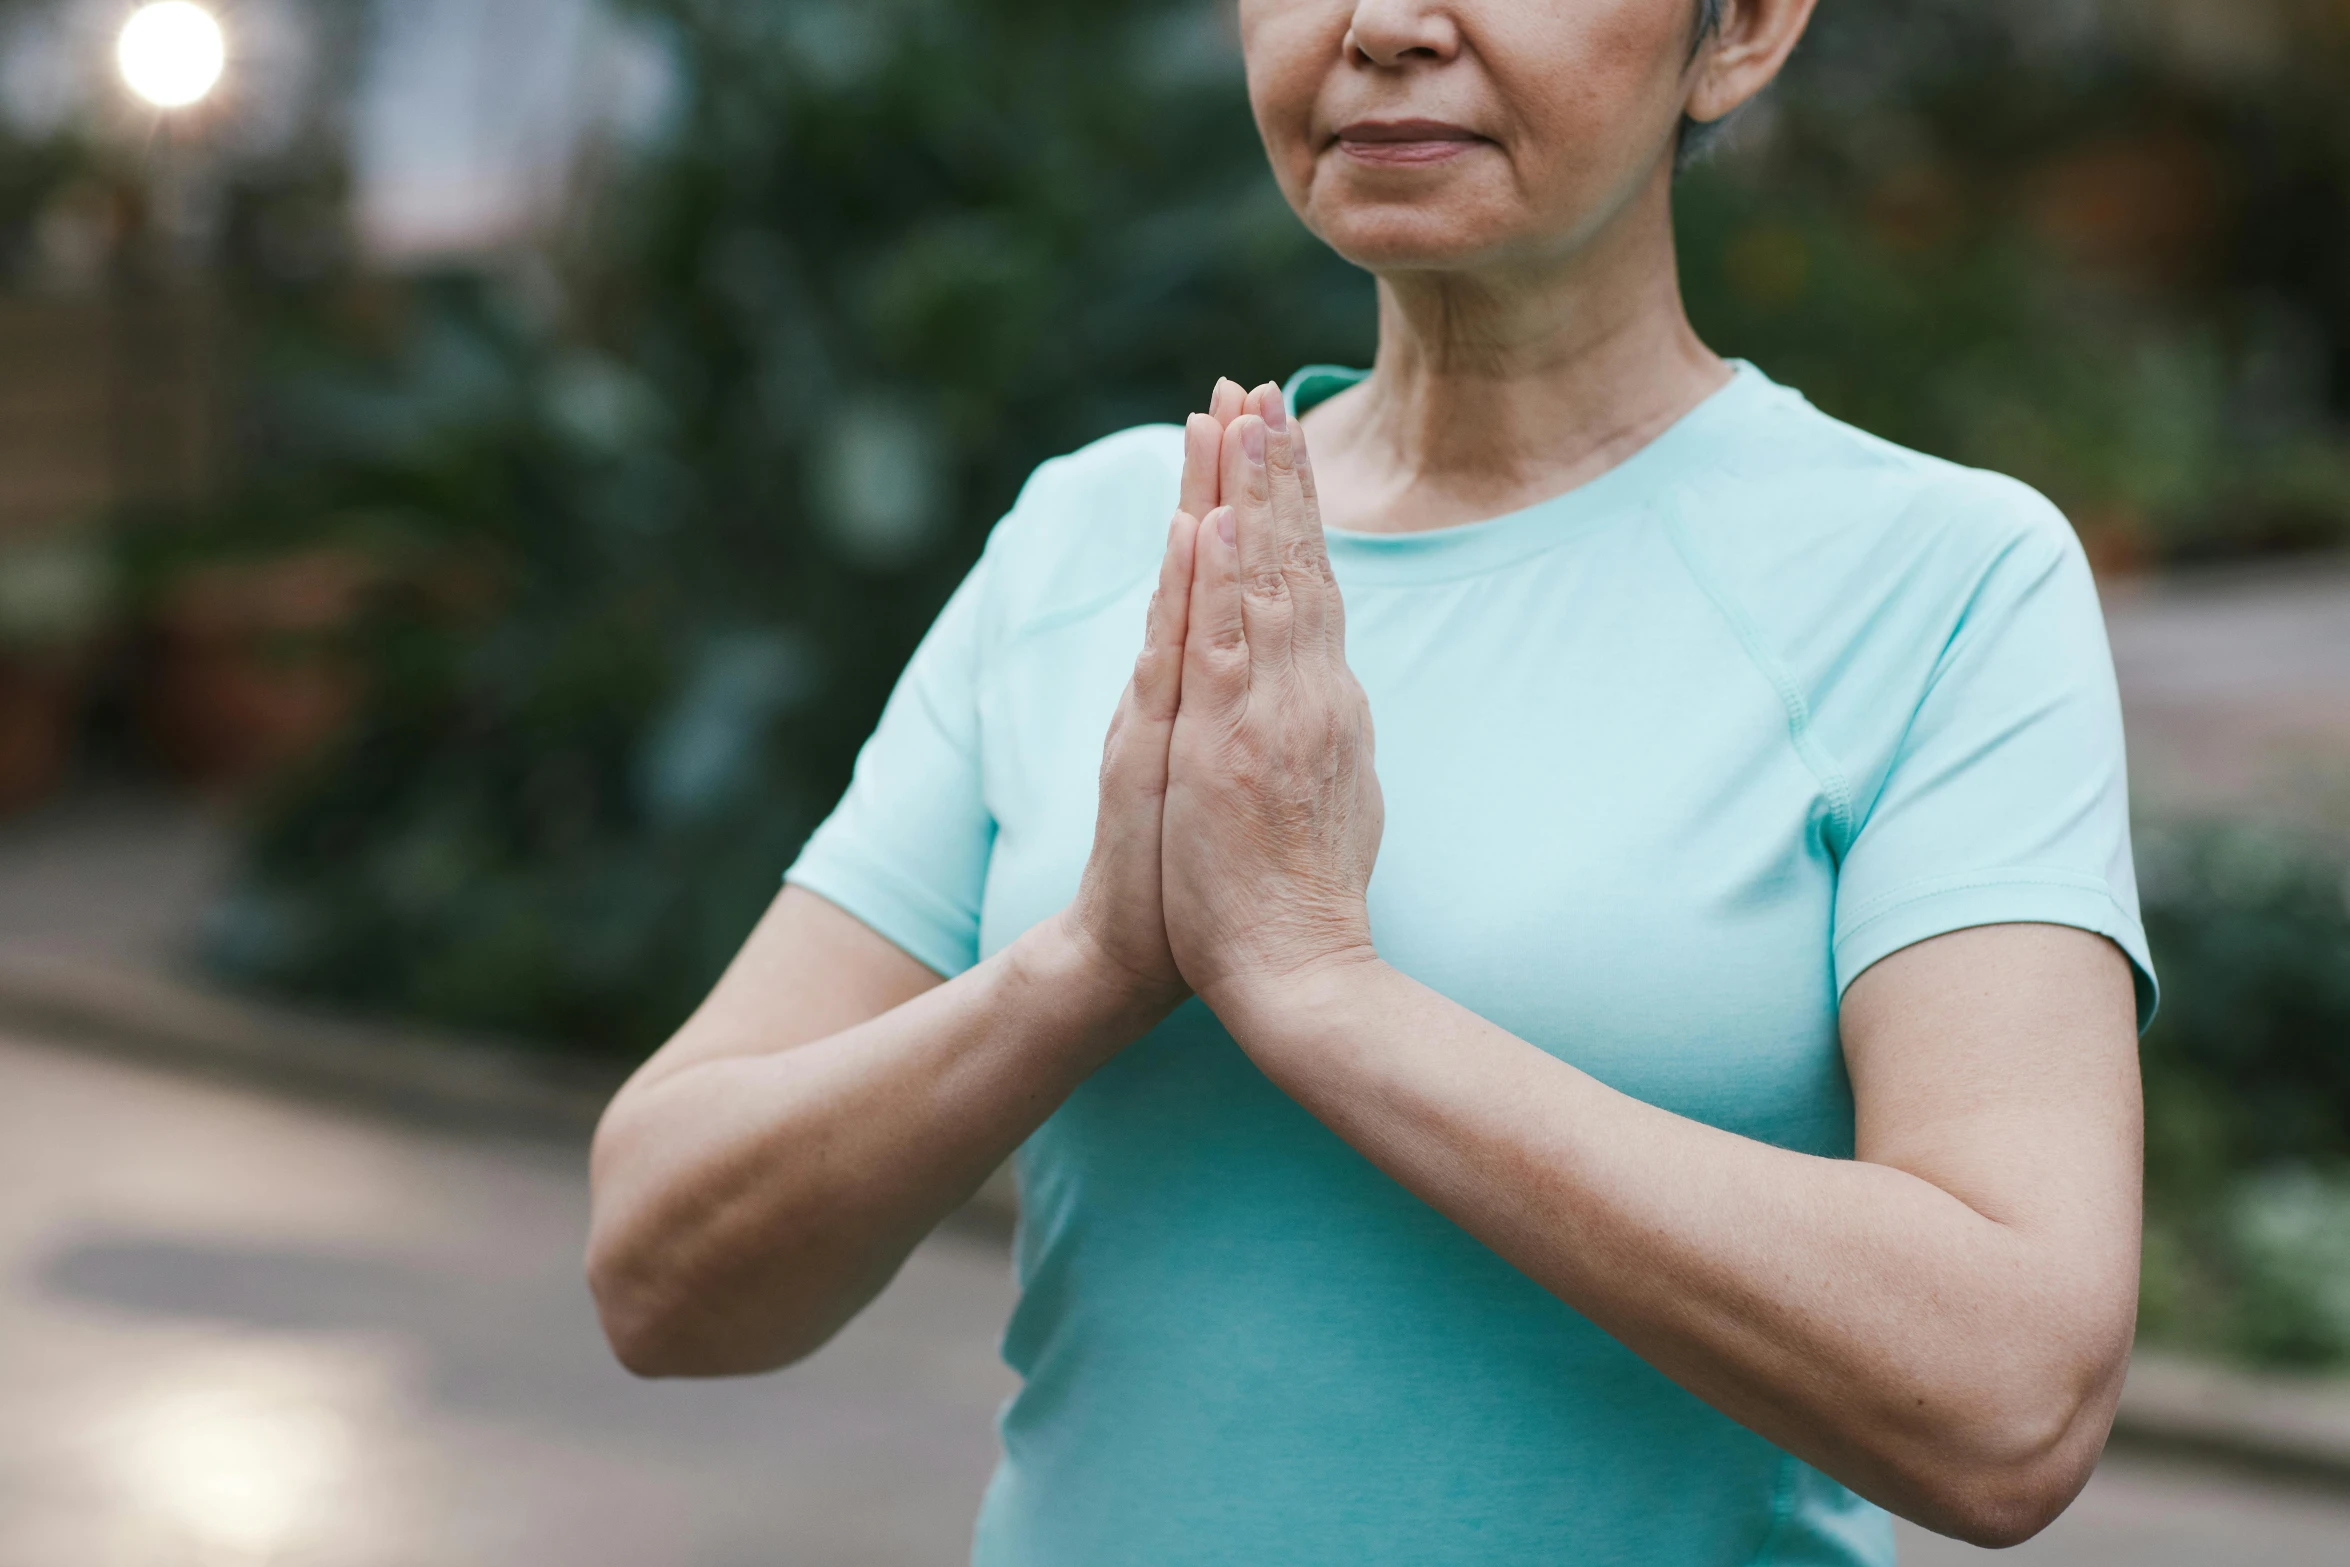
1116, 920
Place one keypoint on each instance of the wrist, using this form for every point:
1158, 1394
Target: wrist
1067, 974
1272, 1004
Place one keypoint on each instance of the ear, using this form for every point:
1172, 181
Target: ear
1744, 54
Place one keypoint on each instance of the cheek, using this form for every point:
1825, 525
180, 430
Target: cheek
1595, 90
1290, 49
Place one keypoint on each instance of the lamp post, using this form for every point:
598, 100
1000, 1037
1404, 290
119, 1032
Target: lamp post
172, 56
171, 53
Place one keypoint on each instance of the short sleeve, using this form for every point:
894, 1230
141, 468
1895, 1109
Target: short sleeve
2007, 798
906, 850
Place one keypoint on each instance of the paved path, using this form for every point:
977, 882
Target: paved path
242, 1332
2236, 685
237, 1331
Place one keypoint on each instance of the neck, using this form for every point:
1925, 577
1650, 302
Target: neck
1497, 387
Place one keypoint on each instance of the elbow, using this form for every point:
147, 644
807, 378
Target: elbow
690, 1279
2001, 1511
635, 1287
640, 1324
663, 1320
2019, 1472
655, 1334
643, 1274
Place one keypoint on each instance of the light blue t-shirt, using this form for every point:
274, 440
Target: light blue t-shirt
1668, 760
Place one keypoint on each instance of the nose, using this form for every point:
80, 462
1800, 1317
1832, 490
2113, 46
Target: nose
1388, 33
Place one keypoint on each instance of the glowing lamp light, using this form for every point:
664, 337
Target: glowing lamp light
171, 53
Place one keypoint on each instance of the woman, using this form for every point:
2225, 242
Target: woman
1720, 1106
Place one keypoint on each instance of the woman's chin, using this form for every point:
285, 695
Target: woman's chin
1411, 239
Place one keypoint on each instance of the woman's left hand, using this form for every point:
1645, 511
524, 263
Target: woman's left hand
1273, 810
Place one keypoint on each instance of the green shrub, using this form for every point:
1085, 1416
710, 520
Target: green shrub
2248, 1095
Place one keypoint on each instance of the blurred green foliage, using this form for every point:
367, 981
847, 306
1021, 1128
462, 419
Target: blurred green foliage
657, 520
2248, 1094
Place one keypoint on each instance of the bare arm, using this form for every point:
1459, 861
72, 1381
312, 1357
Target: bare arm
1942, 1322
764, 1177
767, 1172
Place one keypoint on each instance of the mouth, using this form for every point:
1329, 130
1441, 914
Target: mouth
1406, 143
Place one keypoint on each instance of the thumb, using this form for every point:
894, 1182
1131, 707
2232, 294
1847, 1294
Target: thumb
1158, 673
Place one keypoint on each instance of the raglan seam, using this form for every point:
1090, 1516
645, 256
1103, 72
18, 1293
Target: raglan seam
1807, 747
966, 749
1965, 632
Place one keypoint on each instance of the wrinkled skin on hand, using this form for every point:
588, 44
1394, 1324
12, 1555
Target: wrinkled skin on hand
1273, 813
1117, 917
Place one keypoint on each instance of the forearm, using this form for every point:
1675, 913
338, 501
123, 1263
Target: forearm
1856, 1314
748, 1206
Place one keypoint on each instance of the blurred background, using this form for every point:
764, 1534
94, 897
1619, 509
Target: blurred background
470, 471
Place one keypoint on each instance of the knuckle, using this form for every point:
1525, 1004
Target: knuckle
1225, 647
1268, 584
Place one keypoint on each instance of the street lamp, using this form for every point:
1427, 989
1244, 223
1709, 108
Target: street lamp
171, 53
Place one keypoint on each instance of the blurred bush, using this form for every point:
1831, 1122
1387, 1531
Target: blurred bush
2248, 1094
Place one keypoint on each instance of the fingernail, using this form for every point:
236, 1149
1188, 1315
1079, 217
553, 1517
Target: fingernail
1227, 527
1276, 411
1252, 441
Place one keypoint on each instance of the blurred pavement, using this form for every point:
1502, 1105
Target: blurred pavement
2236, 688
239, 1331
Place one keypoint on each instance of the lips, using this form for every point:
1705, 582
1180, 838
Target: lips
1406, 143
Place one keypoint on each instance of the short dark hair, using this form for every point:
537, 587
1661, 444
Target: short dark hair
1698, 136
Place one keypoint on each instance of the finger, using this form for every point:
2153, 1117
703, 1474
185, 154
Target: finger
1158, 673
1333, 601
1264, 590
1215, 645
1225, 403
1297, 532
1203, 449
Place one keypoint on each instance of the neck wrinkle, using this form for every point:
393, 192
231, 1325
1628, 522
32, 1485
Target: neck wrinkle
1540, 372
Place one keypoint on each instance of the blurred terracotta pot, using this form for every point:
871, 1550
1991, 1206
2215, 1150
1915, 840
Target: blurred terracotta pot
252, 672
40, 697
